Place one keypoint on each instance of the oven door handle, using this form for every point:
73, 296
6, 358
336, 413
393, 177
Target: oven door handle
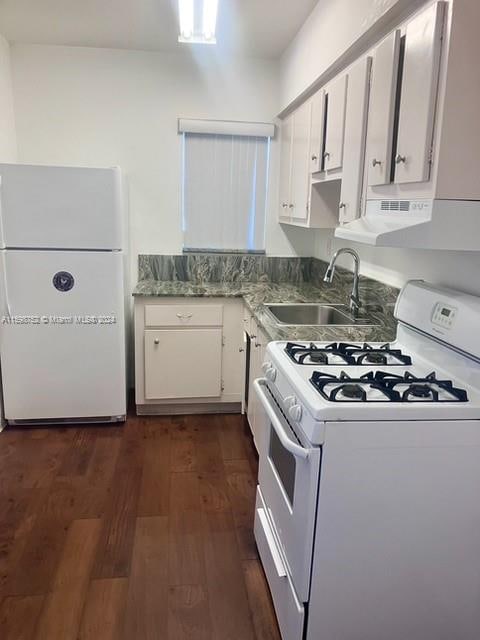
292, 447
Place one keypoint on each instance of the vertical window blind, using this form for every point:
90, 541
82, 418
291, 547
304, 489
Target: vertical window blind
224, 191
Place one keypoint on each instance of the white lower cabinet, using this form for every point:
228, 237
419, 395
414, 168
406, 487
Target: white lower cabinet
169, 376
188, 355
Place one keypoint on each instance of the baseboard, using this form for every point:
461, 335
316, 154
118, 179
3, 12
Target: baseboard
186, 409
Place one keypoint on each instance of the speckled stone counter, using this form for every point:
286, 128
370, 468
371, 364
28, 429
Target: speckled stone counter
378, 301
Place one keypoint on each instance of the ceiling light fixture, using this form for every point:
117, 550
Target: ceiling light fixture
209, 19
192, 28
185, 9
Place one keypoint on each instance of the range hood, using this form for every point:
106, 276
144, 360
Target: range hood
417, 224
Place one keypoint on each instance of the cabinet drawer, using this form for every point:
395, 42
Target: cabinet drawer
183, 363
290, 611
179, 315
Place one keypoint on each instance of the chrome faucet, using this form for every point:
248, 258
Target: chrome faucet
355, 303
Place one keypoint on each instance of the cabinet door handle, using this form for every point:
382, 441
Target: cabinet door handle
241, 349
156, 341
375, 162
290, 206
399, 158
342, 205
326, 155
284, 205
314, 158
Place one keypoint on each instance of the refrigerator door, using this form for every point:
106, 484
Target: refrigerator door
62, 339
45, 207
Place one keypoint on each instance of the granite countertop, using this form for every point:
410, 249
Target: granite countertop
256, 294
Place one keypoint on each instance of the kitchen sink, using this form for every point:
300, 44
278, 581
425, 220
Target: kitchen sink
314, 314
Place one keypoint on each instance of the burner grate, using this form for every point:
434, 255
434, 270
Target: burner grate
346, 353
381, 386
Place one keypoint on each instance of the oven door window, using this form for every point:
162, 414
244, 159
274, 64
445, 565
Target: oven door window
284, 463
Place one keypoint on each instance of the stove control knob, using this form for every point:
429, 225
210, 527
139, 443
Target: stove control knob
271, 374
289, 402
295, 412
266, 366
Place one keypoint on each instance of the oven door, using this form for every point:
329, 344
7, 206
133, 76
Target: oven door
288, 478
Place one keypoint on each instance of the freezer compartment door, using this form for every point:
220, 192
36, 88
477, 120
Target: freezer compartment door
60, 207
62, 334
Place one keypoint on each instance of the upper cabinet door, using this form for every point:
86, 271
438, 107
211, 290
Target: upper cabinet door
355, 132
335, 102
300, 162
285, 166
316, 131
418, 96
382, 110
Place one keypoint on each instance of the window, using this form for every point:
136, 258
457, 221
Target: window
224, 187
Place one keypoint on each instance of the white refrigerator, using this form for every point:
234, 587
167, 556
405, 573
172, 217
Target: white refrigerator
62, 316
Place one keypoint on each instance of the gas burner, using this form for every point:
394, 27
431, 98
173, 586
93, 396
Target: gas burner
346, 353
381, 386
352, 391
330, 354
342, 388
420, 390
366, 354
427, 389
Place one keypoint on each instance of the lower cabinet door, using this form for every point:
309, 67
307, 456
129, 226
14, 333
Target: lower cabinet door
183, 363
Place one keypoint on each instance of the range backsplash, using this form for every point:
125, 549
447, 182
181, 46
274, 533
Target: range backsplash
199, 268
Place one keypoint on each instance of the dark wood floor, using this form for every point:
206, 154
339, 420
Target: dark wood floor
136, 532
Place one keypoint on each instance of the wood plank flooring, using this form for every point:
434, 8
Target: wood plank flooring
135, 532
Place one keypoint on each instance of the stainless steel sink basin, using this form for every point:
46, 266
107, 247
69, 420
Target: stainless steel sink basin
313, 314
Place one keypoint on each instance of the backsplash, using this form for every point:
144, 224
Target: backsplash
199, 268
223, 267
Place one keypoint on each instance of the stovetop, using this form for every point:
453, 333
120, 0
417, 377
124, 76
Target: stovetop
409, 379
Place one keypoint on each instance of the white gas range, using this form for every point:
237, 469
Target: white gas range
368, 511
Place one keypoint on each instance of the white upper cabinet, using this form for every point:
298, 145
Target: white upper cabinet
355, 134
300, 162
294, 166
382, 110
316, 131
418, 95
335, 103
286, 132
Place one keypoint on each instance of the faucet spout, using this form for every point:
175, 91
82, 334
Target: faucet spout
354, 302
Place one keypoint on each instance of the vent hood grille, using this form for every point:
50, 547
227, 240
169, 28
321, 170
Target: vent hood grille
395, 205
417, 224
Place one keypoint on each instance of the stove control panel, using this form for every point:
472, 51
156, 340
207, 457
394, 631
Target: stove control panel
444, 315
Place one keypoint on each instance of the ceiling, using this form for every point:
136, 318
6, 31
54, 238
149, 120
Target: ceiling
260, 28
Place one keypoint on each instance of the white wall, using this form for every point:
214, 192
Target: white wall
8, 144
86, 106
327, 34
332, 27
456, 269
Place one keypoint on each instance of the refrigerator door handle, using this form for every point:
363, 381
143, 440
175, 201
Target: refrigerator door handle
5, 285
2, 235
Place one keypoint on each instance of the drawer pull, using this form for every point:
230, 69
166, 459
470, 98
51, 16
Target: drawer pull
156, 341
184, 316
